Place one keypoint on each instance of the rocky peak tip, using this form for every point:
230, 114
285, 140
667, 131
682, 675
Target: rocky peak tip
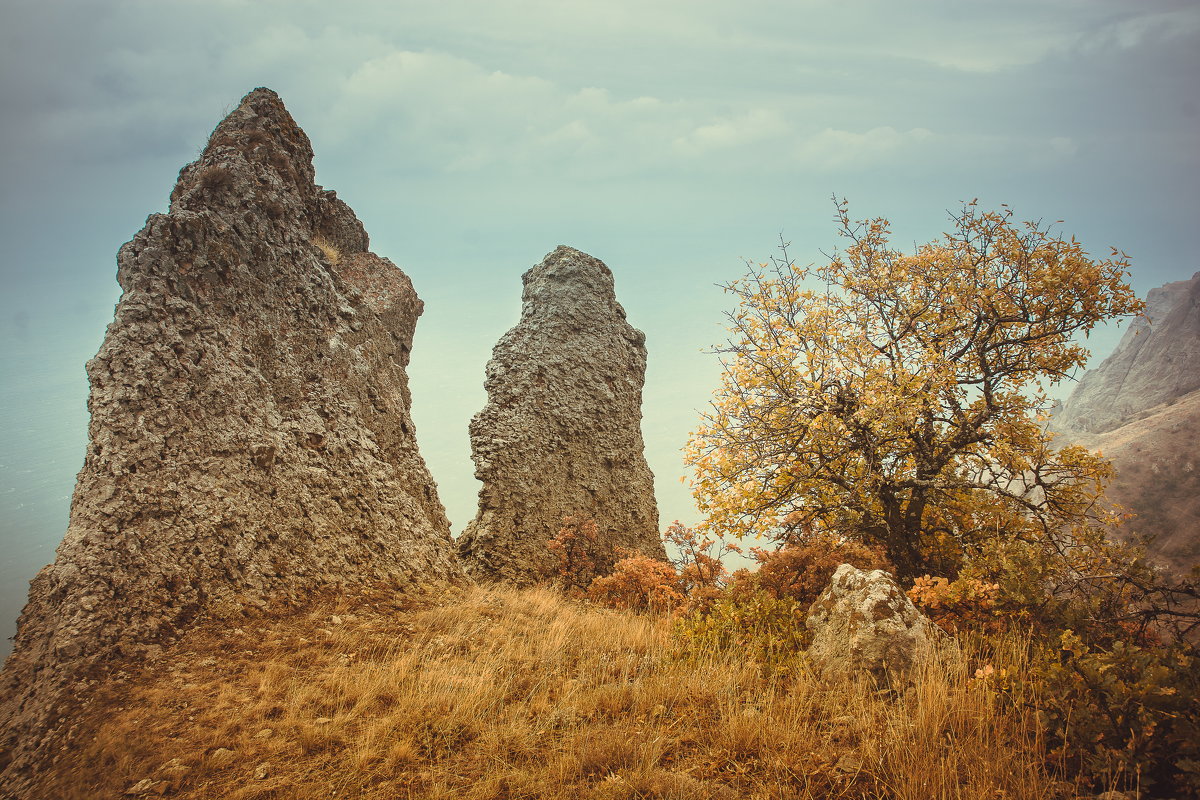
566, 278
262, 102
566, 251
564, 254
257, 154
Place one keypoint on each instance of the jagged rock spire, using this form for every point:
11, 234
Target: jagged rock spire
250, 435
1157, 361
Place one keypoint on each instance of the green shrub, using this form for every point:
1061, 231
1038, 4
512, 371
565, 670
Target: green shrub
767, 629
1115, 682
1123, 716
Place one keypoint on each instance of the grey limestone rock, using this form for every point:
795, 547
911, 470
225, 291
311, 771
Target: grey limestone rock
561, 432
250, 435
1156, 362
863, 622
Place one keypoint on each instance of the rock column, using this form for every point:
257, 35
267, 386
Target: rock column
560, 435
250, 435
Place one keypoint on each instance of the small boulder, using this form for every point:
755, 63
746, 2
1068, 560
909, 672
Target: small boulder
222, 757
863, 622
142, 787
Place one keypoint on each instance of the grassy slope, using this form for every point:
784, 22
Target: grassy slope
1157, 477
499, 693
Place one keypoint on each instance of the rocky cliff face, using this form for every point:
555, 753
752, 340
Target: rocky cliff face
561, 432
250, 434
1141, 409
1157, 361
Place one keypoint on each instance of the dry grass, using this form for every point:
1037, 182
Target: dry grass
499, 693
332, 254
215, 178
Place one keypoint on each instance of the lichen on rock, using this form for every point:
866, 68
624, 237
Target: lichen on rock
250, 434
560, 435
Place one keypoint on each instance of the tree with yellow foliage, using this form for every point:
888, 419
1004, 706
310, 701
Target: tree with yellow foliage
899, 399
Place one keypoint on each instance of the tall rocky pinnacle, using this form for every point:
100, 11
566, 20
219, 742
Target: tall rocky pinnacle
561, 432
250, 434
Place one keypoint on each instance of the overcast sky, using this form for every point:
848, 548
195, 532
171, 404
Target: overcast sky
669, 138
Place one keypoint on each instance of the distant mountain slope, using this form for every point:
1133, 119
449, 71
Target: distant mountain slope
1157, 477
1141, 409
1158, 360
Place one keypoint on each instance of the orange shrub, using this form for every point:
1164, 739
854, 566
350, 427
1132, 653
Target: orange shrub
802, 570
699, 559
577, 549
963, 602
639, 583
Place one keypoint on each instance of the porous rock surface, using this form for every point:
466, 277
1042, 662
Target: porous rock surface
863, 622
250, 435
561, 432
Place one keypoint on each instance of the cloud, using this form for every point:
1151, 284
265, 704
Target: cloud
542, 91
752, 127
1063, 146
1144, 28
832, 149
587, 90
445, 113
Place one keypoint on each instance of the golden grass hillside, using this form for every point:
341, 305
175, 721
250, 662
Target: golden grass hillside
500, 693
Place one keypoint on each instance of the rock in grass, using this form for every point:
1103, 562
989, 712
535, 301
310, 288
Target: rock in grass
864, 623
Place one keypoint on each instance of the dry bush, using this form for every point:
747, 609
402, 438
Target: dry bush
215, 178
639, 583
961, 603
699, 557
801, 570
580, 554
331, 252
253, 138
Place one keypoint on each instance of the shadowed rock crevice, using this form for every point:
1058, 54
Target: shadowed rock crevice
250, 435
561, 432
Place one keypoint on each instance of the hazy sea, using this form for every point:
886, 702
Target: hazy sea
43, 434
